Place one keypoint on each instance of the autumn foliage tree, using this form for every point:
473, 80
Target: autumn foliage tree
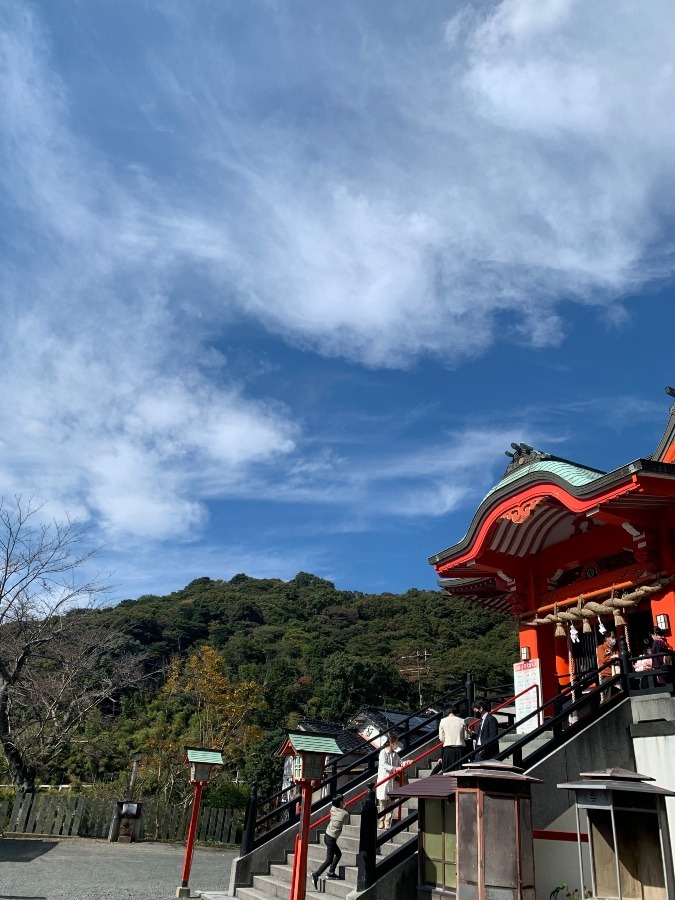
204, 707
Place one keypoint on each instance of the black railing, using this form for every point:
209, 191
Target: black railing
574, 707
281, 812
561, 716
651, 679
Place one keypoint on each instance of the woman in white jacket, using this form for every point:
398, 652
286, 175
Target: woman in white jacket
388, 762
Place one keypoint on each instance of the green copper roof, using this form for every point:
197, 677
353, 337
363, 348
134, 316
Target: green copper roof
199, 755
570, 472
314, 743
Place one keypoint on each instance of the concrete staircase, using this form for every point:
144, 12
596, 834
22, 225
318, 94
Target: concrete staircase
506, 740
278, 882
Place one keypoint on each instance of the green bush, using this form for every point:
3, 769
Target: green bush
225, 795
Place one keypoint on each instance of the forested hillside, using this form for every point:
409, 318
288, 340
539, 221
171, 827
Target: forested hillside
231, 663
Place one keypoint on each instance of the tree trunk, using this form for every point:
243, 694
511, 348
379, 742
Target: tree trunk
22, 774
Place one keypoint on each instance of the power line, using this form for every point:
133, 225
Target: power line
416, 668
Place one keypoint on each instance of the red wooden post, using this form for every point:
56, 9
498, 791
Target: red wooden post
299, 882
190, 845
296, 857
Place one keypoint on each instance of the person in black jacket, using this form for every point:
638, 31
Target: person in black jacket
660, 653
486, 731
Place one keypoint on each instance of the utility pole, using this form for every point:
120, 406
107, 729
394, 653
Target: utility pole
415, 665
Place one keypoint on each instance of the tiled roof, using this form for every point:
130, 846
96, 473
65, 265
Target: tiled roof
348, 741
571, 472
319, 726
352, 742
389, 720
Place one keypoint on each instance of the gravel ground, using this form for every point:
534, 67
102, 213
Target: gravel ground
85, 869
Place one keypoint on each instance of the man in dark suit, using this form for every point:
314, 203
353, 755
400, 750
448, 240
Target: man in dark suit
486, 731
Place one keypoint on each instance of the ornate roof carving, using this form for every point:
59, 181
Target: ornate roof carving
521, 456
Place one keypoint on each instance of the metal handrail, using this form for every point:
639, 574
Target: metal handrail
366, 759
515, 750
419, 712
399, 771
569, 691
436, 747
395, 774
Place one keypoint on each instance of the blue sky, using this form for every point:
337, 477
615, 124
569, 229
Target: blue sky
281, 281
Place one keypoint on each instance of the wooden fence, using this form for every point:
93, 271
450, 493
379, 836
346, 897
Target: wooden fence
56, 815
164, 822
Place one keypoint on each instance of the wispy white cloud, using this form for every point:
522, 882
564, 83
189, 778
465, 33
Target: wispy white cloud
375, 193
478, 188
112, 408
397, 481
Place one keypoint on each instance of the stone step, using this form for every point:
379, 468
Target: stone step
350, 830
540, 741
336, 887
404, 836
267, 886
249, 893
317, 854
346, 843
512, 738
284, 872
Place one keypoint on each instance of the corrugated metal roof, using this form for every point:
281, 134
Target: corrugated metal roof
199, 755
314, 743
432, 787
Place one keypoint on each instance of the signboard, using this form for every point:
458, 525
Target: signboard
527, 675
594, 799
373, 735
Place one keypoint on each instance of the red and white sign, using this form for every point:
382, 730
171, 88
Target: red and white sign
527, 688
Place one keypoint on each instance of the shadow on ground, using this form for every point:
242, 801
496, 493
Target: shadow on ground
23, 851
19, 897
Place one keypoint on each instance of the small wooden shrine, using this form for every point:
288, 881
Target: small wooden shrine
630, 851
475, 833
570, 551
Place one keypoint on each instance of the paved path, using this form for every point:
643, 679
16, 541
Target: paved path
85, 869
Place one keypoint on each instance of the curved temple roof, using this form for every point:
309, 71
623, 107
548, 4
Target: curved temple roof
544, 500
571, 472
545, 503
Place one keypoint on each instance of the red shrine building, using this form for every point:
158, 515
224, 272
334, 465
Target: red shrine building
568, 551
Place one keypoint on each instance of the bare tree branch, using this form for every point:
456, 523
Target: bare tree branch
57, 660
